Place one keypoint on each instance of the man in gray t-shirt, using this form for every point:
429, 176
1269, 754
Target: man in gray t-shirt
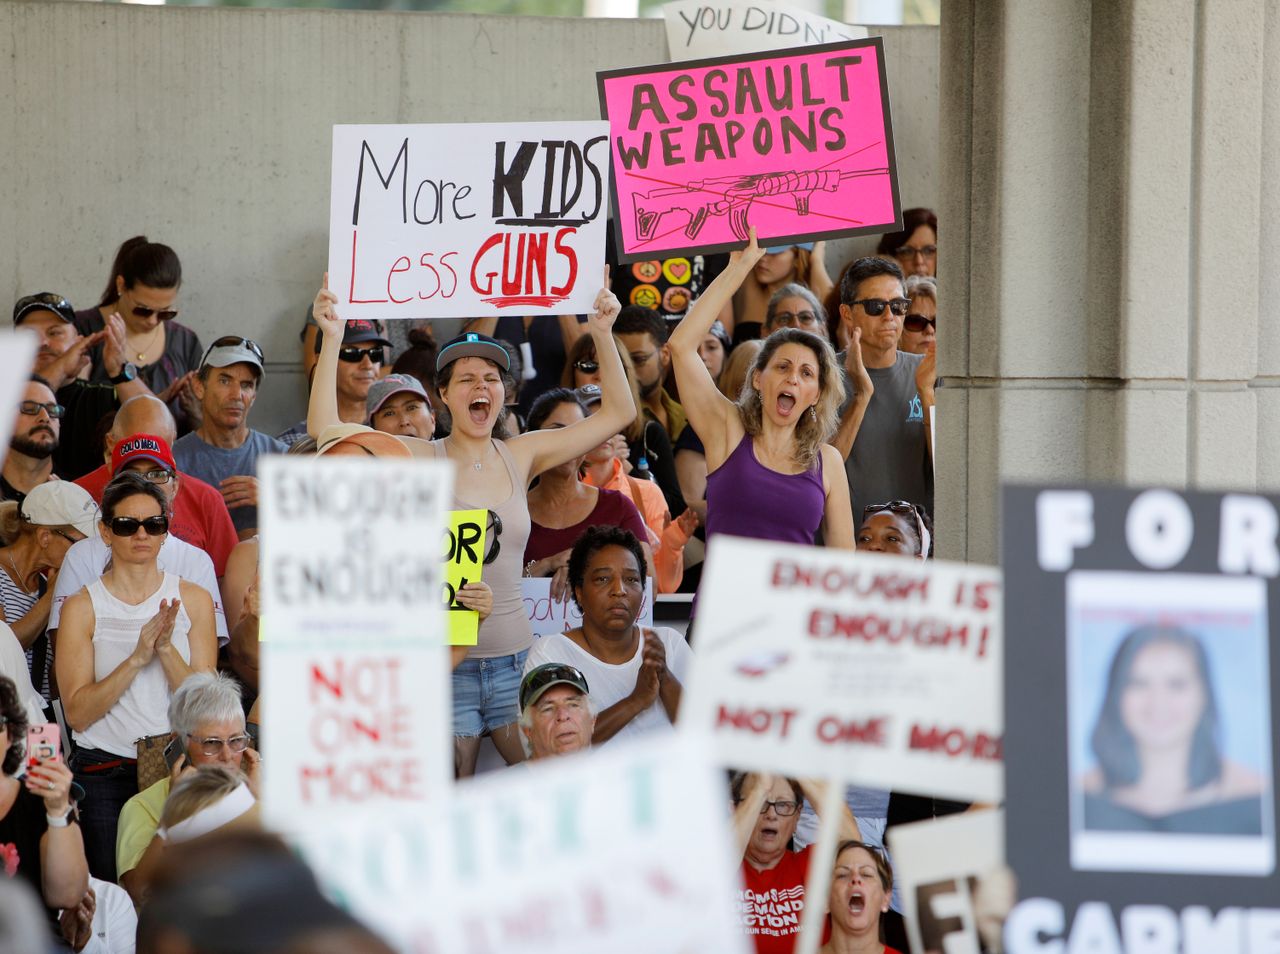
884, 427
223, 451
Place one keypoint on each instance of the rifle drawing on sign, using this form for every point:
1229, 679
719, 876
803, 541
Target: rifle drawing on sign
733, 196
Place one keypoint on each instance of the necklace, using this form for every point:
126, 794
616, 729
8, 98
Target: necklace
17, 577
142, 352
476, 462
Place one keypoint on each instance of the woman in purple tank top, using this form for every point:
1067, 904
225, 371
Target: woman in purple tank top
771, 474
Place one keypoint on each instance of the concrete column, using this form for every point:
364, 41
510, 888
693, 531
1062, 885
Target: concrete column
1108, 202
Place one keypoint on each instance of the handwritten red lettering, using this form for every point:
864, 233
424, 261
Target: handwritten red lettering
921, 633
957, 743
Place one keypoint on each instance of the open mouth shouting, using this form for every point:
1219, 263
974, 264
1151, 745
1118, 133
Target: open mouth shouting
857, 903
479, 410
786, 403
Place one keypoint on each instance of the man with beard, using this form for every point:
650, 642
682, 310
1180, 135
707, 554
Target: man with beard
223, 451
35, 438
644, 334
63, 361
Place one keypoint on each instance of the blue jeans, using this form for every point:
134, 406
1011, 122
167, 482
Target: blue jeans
486, 693
106, 791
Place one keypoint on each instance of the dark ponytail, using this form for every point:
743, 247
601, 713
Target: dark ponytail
141, 262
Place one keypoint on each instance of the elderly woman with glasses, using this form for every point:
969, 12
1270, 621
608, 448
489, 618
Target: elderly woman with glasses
37, 534
207, 718
766, 810
138, 307
126, 642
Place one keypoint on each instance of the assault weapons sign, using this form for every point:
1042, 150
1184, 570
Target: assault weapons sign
797, 143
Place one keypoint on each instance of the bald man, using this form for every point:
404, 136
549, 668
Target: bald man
141, 439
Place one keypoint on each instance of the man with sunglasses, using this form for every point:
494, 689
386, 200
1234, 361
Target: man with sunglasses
223, 451
884, 427
140, 440
29, 462
207, 719
63, 360
361, 358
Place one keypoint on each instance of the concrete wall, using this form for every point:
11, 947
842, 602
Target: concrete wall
208, 129
1109, 200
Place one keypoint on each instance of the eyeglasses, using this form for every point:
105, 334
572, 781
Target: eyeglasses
789, 319
128, 526
68, 537
925, 252
164, 314
543, 676
233, 341
160, 476
875, 306
211, 746
354, 355
783, 809
587, 367
33, 408
914, 322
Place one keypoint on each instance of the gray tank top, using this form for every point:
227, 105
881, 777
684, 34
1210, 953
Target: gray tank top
507, 629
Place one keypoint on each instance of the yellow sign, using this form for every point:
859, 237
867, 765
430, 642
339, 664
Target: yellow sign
464, 559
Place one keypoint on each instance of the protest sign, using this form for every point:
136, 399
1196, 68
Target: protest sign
464, 560
883, 668
952, 880
555, 616
696, 30
466, 220
795, 143
1143, 621
626, 851
354, 677
17, 361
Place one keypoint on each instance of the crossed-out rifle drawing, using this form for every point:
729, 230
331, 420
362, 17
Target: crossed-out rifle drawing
733, 196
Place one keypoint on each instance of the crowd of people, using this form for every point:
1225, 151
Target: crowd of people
746, 394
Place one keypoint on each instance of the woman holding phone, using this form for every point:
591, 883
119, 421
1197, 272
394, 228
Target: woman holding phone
492, 475
40, 841
125, 643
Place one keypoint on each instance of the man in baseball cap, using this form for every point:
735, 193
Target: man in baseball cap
223, 451
361, 358
63, 360
141, 439
398, 404
557, 715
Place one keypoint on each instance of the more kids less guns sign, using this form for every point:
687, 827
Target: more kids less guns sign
797, 143
447, 221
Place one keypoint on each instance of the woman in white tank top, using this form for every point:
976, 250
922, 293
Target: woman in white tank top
125, 643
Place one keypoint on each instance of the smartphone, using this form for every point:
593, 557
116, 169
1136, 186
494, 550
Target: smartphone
44, 742
172, 752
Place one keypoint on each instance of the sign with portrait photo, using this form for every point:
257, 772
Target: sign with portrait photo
1143, 621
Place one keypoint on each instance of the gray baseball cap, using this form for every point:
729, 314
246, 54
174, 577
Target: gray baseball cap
386, 388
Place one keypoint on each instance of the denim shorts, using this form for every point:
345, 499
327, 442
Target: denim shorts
486, 693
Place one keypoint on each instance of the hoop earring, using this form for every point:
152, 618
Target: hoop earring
813, 411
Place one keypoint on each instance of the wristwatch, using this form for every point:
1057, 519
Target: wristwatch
61, 821
127, 373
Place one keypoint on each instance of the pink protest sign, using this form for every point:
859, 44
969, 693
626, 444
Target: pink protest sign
797, 143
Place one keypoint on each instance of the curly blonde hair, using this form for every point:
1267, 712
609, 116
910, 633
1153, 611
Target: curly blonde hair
816, 427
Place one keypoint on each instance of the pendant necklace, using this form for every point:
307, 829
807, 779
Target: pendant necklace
142, 353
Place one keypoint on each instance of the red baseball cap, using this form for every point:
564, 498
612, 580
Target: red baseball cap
142, 447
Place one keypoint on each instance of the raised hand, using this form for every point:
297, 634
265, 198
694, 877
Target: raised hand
927, 370
859, 379
605, 308
113, 344
746, 258
50, 779
157, 631
653, 666
177, 387
322, 309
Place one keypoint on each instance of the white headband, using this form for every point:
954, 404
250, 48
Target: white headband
925, 539
230, 807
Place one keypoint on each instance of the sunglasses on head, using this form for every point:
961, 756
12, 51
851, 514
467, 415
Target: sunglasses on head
587, 367
235, 341
354, 355
875, 306
164, 314
914, 322
544, 676
54, 302
128, 526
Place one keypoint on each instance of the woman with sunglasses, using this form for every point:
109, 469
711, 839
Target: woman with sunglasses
771, 474
37, 535
766, 810
125, 643
139, 305
492, 475
920, 323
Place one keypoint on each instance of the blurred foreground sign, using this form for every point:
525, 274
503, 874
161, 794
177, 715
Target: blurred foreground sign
624, 850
